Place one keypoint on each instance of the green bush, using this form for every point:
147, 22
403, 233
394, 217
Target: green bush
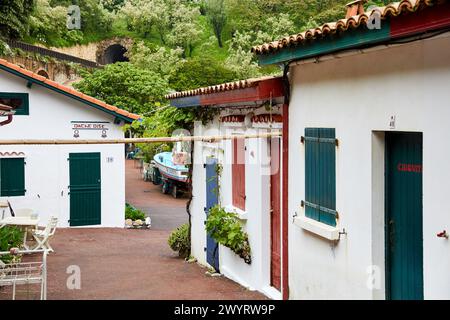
179, 240
133, 213
225, 228
10, 237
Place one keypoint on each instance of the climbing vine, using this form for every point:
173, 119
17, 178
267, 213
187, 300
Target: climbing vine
225, 228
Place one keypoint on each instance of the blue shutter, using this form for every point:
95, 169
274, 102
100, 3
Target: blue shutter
320, 174
12, 177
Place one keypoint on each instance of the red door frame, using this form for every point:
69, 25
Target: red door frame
238, 174
285, 208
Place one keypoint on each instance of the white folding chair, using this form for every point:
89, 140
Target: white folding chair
43, 237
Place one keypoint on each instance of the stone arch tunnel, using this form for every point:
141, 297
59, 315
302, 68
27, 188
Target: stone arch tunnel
112, 54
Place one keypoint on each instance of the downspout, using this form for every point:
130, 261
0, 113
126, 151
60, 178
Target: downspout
9, 111
7, 121
285, 186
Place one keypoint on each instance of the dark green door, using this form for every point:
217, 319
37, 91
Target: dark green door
404, 237
85, 189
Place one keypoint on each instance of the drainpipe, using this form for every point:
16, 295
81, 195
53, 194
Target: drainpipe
285, 191
7, 121
7, 110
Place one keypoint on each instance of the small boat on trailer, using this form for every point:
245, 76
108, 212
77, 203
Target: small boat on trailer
174, 176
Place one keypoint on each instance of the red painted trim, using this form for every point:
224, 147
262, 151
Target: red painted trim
424, 20
238, 174
271, 88
265, 90
285, 208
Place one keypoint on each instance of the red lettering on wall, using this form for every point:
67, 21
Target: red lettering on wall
233, 118
407, 167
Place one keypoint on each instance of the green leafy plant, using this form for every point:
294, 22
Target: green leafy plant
180, 241
225, 228
133, 213
10, 237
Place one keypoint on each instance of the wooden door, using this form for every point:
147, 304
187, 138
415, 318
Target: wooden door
212, 199
275, 221
404, 245
85, 189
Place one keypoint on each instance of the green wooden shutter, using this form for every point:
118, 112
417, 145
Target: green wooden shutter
320, 175
12, 177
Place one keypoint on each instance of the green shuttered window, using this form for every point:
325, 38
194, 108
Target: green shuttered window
12, 177
18, 101
320, 175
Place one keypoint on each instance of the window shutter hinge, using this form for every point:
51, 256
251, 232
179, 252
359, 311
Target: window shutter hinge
204, 165
315, 139
204, 249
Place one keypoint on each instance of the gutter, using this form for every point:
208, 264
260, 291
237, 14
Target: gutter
352, 52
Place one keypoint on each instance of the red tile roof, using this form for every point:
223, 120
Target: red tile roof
394, 9
241, 84
69, 91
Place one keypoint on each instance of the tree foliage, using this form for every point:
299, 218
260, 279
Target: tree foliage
215, 10
201, 72
126, 86
14, 18
166, 62
173, 20
185, 30
48, 24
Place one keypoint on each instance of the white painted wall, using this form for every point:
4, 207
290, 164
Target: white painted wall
47, 168
357, 95
256, 218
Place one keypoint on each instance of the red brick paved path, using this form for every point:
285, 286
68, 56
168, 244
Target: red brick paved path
167, 213
134, 264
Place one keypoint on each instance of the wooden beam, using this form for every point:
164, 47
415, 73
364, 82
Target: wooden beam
139, 140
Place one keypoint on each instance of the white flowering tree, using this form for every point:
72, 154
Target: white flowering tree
163, 61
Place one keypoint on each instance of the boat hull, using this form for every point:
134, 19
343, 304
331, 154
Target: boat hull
169, 171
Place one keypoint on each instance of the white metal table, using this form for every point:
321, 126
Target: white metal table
3, 207
25, 222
